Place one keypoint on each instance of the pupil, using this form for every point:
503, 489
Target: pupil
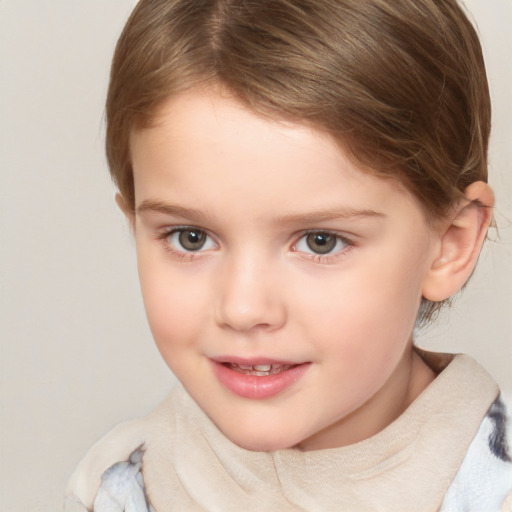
321, 243
192, 240
193, 237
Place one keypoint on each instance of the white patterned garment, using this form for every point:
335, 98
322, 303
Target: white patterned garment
481, 484
122, 487
485, 475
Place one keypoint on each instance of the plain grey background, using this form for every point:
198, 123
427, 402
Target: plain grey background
76, 355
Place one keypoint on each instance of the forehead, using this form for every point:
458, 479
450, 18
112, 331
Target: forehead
211, 117
207, 148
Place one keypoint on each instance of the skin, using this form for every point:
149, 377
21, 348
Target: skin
256, 289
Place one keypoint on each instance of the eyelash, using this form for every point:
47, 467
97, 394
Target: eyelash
183, 255
331, 257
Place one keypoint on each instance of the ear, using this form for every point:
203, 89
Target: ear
460, 242
127, 210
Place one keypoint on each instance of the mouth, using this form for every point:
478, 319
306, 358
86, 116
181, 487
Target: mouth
258, 379
260, 370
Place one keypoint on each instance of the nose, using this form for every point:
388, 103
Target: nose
249, 296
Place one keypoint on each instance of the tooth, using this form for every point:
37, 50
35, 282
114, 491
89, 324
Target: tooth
245, 367
262, 367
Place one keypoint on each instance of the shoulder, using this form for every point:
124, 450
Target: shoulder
114, 447
484, 479
123, 444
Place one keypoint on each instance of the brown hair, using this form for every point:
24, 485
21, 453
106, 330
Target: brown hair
401, 84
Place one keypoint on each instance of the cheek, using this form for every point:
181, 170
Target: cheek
172, 303
369, 306
359, 297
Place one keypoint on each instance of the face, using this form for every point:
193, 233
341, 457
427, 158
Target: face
281, 282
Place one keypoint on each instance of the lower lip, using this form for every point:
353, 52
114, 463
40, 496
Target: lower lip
258, 388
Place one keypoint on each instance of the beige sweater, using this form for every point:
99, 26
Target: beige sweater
189, 465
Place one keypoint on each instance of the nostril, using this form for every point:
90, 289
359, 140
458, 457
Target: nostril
248, 300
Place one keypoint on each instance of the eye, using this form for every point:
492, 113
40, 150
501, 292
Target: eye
189, 240
321, 242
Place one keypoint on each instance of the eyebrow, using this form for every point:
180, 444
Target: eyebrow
174, 210
196, 215
326, 215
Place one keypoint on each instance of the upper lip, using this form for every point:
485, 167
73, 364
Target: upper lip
253, 361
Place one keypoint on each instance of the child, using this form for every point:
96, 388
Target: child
305, 180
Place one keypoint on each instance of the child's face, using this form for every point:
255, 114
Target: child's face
260, 243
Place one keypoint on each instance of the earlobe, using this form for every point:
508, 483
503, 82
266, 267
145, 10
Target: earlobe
127, 210
460, 243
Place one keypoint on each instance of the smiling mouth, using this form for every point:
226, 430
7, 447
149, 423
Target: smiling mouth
258, 379
260, 370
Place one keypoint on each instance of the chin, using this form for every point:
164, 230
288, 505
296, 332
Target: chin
260, 445
259, 441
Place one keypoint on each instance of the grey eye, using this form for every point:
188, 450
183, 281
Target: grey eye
190, 240
321, 243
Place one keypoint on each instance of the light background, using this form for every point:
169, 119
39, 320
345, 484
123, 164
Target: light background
76, 356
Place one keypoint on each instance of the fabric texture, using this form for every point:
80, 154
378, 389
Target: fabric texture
423, 461
122, 487
485, 476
